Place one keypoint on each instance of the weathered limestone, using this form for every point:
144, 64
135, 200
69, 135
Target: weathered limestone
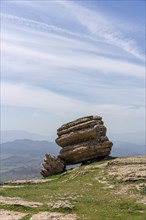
83, 139
83, 125
85, 151
52, 165
82, 135
128, 168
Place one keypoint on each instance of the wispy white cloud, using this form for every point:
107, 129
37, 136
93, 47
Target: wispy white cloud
101, 26
34, 97
41, 99
43, 26
69, 53
70, 65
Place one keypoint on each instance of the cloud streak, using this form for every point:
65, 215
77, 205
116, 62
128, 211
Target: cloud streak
25, 96
101, 26
67, 55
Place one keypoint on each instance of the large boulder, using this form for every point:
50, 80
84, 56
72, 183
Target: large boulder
83, 139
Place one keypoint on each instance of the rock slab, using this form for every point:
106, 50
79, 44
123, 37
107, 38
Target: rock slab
83, 139
52, 165
128, 168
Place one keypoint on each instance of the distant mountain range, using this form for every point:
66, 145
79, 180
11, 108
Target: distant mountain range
124, 149
22, 158
138, 138
28, 147
12, 135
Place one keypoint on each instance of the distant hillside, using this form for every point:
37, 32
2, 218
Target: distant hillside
12, 135
137, 138
123, 149
29, 147
21, 173
22, 158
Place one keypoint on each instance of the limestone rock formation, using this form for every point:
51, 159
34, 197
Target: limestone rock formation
52, 165
128, 168
85, 151
83, 139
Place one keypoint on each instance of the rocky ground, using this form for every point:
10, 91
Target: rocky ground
68, 196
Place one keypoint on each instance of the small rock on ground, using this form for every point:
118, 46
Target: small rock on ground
32, 181
60, 204
10, 215
19, 201
54, 216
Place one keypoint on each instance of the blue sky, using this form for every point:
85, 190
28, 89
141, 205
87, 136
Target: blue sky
61, 60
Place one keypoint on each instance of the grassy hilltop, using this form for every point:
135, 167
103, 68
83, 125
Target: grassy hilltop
109, 190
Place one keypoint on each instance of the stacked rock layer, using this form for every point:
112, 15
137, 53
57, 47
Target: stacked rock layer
82, 140
52, 165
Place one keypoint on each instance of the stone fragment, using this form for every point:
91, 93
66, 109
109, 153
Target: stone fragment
52, 165
60, 205
11, 215
53, 215
18, 201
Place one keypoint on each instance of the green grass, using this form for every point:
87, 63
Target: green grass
90, 199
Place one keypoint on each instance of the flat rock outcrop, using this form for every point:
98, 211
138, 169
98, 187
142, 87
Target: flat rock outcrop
128, 168
83, 139
53, 215
11, 215
52, 165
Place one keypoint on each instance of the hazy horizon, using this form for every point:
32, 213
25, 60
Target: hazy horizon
12, 135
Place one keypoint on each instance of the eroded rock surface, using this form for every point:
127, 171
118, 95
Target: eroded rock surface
52, 165
84, 151
18, 201
11, 215
61, 204
128, 168
83, 139
53, 215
